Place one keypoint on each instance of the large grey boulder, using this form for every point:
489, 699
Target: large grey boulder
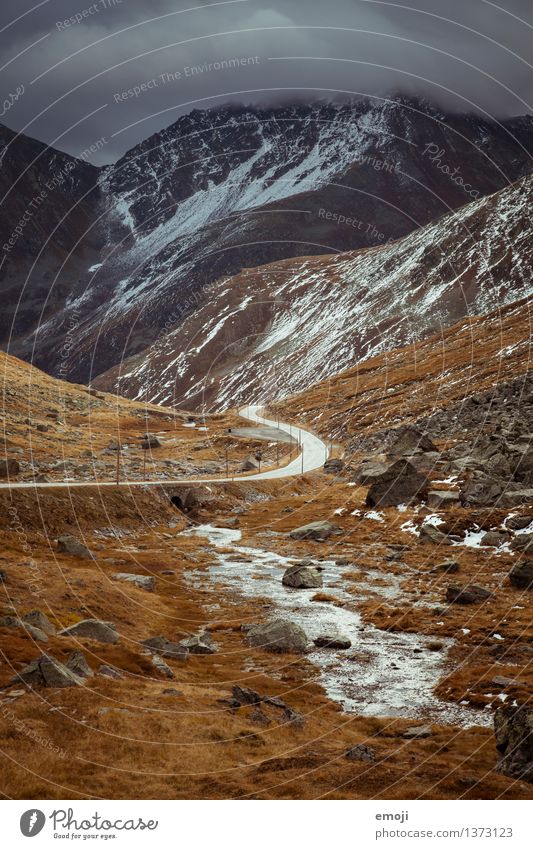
470, 594
494, 538
481, 492
516, 497
370, 470
249, 465
438, 498
77, 663
315, 531
68, 544
279, 635
150, 440
165, 648
14, 622
302, 577
518, 523
39, 620
144, 582
431, 534
513, 727
521, 575
9, 468
333, 466
46, 671
92, 629
198, 644
523, 542
407, 439
400, 483
160, 666
332, 641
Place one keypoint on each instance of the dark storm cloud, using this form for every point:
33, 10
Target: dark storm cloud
119, 70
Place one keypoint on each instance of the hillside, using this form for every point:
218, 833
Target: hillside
391, 692
124, 253
423, 382
276, 330
59, 431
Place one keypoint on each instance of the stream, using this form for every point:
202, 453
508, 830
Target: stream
393, 674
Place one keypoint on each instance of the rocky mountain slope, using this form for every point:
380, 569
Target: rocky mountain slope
226, 189
272, 331
392, 666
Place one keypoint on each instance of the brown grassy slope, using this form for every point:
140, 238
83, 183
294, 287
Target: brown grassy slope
47, 420
411, 382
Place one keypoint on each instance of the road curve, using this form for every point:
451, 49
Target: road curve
313, 455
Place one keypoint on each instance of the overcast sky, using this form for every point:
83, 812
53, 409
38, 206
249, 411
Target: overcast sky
70, 77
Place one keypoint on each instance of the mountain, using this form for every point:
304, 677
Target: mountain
273, 331
222, 190
50, 201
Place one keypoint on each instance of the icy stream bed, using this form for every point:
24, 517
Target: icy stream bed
393, 674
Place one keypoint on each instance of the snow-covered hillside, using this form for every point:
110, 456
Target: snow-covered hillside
275, 330
227, 189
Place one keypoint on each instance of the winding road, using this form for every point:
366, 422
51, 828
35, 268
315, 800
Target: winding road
313, 455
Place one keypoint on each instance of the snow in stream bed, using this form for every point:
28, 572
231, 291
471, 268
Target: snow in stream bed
392, 674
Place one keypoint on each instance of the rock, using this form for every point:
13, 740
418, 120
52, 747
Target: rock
513, 727
470, 594
9, 468
370, 470
34, 632
400, 483
249, 465
245, 696
407, 439
494, 538
449, 567
430, 533
417, 732
109, 672
77, 663
39, 620
516, 497
279, 635
232, 522
302, 577
159, 664
332, 641
150, 440
481, 492
144, 582
523, 542
442, 498
518, 523
165, 648
68, 544
92, 629
198, 644
502, 681
360, 752
333, 466
521, 575
9, 622
46, 671
258, 716
315, 531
